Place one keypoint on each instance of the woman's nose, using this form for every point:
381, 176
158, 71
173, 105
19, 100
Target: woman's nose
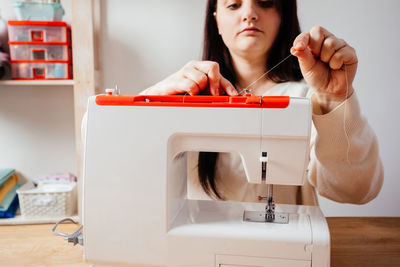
249, 12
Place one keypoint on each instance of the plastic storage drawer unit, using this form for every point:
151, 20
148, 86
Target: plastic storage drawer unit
55, 32
39, 52
40, 71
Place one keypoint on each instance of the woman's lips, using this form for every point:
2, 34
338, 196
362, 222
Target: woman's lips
250, 30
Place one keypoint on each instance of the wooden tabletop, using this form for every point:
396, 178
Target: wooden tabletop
354, 242
357, 241
35, 245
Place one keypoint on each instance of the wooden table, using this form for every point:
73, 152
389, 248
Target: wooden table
354, 242
364, 241
35, 245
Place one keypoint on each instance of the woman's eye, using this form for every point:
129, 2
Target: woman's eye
233, 6
266, 3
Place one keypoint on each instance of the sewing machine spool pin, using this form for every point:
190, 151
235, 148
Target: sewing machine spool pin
111, 91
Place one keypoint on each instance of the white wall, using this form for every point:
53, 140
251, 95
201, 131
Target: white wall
36, 123
144, 41
372, 28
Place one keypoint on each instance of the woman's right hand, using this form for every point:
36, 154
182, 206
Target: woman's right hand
194, 77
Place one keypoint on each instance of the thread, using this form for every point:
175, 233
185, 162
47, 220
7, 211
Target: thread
183, 99
248, 91
344, 116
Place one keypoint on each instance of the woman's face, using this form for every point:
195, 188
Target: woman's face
247, 27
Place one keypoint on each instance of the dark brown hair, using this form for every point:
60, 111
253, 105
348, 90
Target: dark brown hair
214, 49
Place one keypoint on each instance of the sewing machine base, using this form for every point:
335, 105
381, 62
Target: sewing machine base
209, 233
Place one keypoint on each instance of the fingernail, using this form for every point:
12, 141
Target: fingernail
299, 45
294, 52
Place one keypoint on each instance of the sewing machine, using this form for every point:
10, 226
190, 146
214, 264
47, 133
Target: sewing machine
135, 206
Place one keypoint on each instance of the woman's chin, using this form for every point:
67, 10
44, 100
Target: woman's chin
251, 41
253, 46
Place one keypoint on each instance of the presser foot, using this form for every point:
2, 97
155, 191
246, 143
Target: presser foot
265, 216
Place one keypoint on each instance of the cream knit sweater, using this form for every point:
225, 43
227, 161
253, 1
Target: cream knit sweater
343, 169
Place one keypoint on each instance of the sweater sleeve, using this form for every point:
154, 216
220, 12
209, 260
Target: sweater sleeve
344, 160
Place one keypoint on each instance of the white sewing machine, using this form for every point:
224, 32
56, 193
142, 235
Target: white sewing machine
135, 207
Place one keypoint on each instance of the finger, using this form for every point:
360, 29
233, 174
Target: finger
345, 55
227, 87
212, 70
189, 86
301, 41
214, 78
196, 76
317, 36
302, 52
306, 59
330, 46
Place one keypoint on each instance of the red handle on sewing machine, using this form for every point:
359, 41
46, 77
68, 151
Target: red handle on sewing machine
194, 101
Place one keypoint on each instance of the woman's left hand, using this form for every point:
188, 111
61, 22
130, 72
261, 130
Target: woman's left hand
325, 61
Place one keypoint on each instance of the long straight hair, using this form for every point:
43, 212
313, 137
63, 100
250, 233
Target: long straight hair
214, 49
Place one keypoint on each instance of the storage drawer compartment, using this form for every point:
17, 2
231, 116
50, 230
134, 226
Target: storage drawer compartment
40, 71
39, 52
38, 31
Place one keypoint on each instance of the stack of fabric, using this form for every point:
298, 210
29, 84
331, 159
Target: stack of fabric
8, 193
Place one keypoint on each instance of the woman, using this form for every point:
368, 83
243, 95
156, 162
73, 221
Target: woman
249, 40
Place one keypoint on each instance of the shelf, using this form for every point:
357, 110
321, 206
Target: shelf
19, 220
37, 83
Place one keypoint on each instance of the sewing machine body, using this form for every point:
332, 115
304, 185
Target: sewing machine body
135, 206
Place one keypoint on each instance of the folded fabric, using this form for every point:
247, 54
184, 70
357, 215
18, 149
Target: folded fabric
7, 186
54, 178
10, 213
5, 174
5, 204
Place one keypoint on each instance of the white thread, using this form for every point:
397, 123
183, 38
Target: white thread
183, 99
247, 90
344, 116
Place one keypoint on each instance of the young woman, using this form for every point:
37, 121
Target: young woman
243, 40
